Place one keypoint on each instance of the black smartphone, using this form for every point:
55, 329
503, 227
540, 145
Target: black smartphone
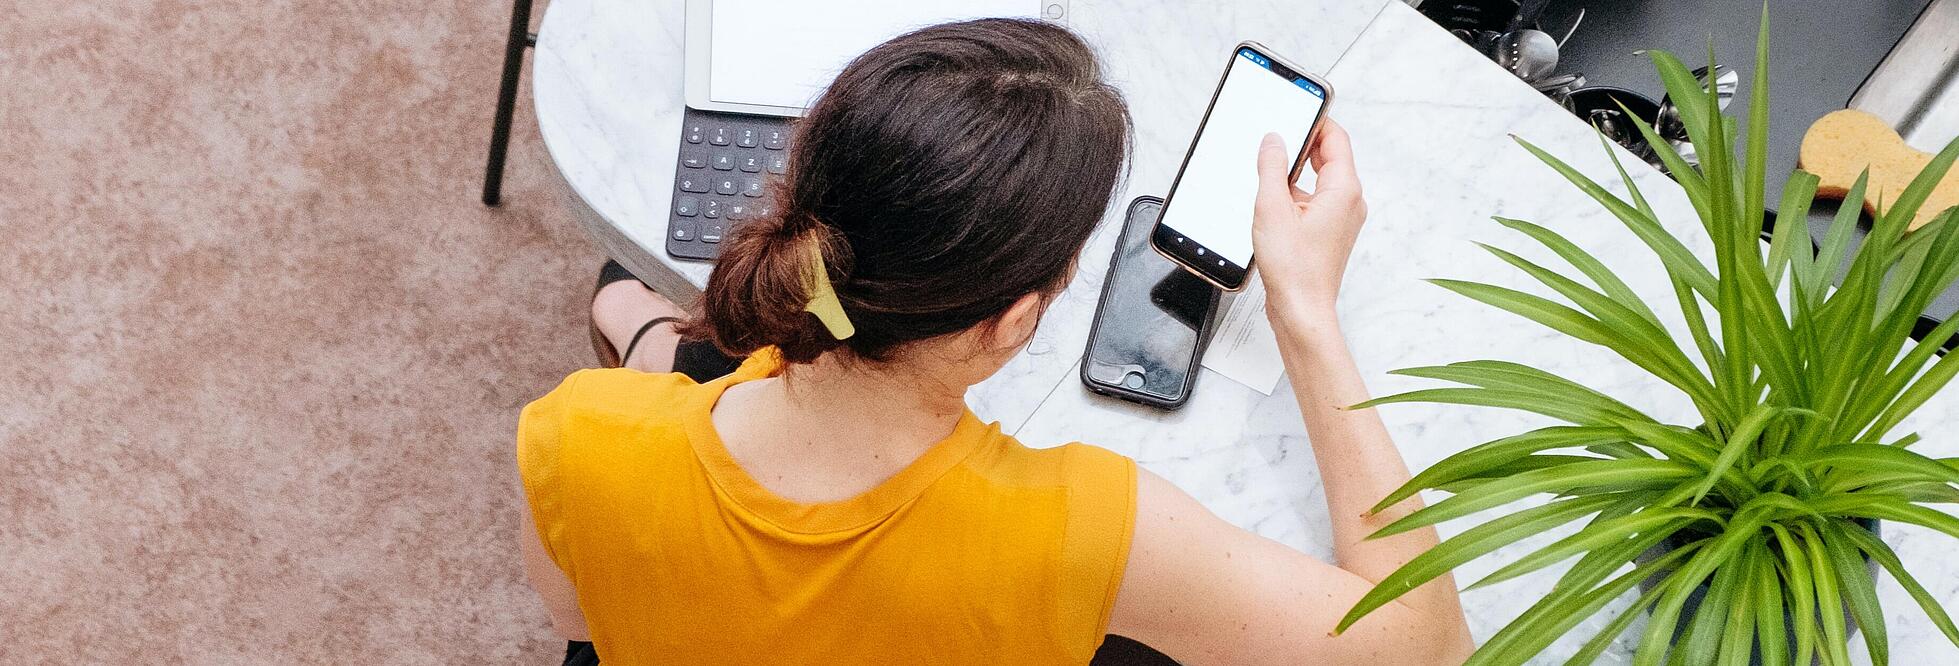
1206, 224
1152, 322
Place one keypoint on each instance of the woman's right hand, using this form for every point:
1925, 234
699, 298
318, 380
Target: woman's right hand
1302, 240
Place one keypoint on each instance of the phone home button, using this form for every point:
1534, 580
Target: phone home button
1132, 380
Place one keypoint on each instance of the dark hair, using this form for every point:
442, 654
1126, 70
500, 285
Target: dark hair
945, 174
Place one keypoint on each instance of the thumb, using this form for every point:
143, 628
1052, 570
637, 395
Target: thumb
1274, 172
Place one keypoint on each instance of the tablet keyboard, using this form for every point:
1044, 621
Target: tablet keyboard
727, 161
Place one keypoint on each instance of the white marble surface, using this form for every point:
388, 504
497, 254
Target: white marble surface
1430, 121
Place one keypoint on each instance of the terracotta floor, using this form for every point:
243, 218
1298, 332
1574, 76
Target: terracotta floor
261, 348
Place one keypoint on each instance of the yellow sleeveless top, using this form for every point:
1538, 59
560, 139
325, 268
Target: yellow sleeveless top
981, 551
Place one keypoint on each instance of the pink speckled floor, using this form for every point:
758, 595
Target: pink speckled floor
261, 348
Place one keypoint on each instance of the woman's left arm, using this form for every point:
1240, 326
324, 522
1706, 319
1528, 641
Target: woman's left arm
560, 598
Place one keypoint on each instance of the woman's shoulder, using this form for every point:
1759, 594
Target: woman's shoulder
1075, 464
614, 392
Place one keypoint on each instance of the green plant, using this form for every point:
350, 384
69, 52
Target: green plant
1797, 386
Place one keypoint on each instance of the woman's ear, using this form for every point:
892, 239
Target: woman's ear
1016, 326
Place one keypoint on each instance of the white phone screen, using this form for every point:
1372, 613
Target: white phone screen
1211, 202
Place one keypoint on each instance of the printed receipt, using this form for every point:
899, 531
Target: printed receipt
1243, 348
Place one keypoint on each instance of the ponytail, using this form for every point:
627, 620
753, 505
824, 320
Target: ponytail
757, 295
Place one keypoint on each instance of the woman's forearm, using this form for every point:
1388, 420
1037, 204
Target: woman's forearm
1358, 462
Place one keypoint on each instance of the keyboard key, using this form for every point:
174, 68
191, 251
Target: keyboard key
711, 210
737, 212
775, 139
724, 162
692, 183
725, 186
687, 207
747, 138
720, 136
751, 187
694, 133
778, 163
683, 230
713, 233
693, 159
750, 163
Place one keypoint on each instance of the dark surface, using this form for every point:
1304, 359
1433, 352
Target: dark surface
1820, 53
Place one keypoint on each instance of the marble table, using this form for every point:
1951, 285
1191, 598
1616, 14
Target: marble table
1431, 121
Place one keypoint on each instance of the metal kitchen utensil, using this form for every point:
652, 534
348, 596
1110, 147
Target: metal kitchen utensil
1485, 41
1726, 82
1555, 82
1530, 54
1575, 20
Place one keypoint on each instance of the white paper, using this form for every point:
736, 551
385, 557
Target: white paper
785, 52
1244, 349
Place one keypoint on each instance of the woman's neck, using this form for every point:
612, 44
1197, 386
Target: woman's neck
832, 429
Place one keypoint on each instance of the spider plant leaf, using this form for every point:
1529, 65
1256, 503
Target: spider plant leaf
1557, 613
1673, 254
1828, 598
1632, 189
1912, 398
1738, 443
1509, 469
1599, 475
1586, 263
1719, 552
1593, 649
1898, 378
1755, 170
1801, 587
1766, 601
1685, 445
1883, 507
1619, 450
1565, 320
1879, 464
1708, 625
1660, 633
1653, 340
1645, 523
1919, 492
1829, 258
1689, 179
1595, 565
1470, 544
1789, 244
1860, 592
1473, 461
1504, 375
1690, 309
1881, 553
1536, 402
1906, 206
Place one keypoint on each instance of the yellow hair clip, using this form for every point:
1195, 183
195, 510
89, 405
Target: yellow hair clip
823, 297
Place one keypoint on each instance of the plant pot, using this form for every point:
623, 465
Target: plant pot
1689, 609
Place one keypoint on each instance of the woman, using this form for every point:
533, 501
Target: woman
832, 500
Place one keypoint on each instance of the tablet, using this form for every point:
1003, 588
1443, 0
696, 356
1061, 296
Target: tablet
773, 57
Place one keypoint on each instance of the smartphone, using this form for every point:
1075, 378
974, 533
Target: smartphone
1206, 225
1152, 322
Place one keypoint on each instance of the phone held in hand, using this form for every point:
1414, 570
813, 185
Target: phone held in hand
1206, 224
1152, 322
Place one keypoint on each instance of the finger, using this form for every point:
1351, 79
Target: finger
1333, 158
1274, 176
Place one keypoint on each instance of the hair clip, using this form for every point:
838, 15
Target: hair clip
823, 296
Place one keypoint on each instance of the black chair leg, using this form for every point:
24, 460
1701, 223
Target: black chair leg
513, 66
